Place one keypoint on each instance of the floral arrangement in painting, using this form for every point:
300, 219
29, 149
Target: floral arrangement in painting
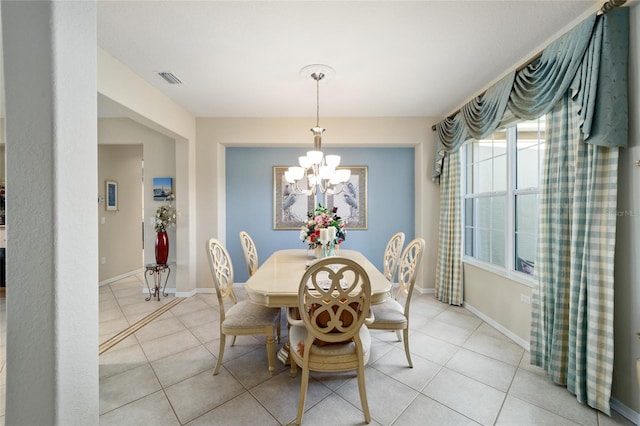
166, 215
322, 219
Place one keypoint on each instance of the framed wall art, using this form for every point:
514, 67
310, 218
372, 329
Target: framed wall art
162, 186
111, 192
289, 210
352, 201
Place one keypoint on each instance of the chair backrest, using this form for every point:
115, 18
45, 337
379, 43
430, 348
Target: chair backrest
392, 254
334, 299
407, 270
222, 272
250, 252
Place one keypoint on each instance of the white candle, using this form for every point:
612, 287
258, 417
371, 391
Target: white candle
332, 233
324, 235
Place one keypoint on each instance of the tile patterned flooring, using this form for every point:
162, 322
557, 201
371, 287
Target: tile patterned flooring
465, 373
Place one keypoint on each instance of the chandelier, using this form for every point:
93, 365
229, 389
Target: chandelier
317, 171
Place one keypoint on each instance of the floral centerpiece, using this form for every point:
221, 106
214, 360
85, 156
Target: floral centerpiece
166, 215
322, 218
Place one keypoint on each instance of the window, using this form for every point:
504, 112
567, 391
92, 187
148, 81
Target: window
486, 177
501, 195
530, 141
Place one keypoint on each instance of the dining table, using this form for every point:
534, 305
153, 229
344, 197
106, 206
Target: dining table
275, 284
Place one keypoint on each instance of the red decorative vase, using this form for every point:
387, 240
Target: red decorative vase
162, 247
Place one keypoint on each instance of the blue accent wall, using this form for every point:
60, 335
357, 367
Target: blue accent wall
249, 200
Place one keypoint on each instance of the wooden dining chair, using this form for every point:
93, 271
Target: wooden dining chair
392, 254
241, 318
326, 331
250, 252
393, 313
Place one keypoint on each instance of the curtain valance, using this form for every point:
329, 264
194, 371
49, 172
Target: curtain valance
477, 119
590, 61
539, 86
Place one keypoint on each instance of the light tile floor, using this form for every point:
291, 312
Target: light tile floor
465, 373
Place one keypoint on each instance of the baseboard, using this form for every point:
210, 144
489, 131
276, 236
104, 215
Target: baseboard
516, 339
168, 290
625, 411
193, 292
425, 290
119, 277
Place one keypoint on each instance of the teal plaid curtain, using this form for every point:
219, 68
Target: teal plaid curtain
572, 307
449, 265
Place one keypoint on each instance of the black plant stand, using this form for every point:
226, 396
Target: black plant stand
157, 270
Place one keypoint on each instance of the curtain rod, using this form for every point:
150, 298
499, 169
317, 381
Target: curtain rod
607, 7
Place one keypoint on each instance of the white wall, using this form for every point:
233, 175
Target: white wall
119, 231
158, 152
146, 105
52, 333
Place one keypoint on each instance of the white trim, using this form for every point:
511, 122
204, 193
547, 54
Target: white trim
625, 411
171, 290
199, 290
510, 275
425, 290
119, 277
510, 193
186, 293
516, 339
510, 199
195, 291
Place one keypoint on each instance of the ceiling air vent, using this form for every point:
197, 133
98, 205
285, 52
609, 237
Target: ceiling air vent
169, 77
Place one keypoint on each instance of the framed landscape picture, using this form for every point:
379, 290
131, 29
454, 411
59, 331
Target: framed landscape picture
352, 201
289, 209
162, 186
111, 195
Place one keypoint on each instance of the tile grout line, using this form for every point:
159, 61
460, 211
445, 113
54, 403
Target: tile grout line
109, 343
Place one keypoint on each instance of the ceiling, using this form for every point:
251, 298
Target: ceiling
391, 58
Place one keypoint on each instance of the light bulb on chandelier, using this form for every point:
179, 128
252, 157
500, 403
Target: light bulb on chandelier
316, 170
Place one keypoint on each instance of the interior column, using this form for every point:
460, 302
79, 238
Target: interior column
49, 52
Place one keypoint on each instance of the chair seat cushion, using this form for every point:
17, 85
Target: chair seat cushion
339, 352
389, 312
245, 314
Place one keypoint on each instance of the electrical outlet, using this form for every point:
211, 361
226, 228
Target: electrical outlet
103, 260
525, 299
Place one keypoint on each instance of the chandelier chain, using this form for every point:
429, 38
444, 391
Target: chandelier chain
317, 102
317, 77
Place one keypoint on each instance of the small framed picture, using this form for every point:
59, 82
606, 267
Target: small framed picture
111, 191
162, 187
